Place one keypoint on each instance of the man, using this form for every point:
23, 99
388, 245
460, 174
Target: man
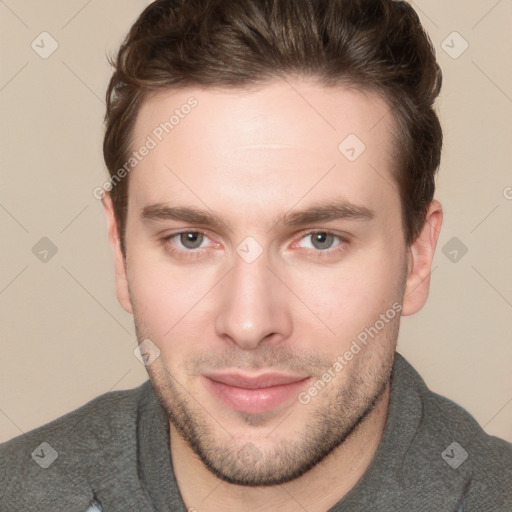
271, 215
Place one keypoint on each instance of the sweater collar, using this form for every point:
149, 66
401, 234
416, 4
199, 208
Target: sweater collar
154, 455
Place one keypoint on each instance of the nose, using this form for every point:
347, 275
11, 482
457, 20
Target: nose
253, 307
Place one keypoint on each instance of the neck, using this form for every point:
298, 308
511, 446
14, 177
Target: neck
317, 490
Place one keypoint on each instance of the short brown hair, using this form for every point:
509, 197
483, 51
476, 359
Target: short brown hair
373, 45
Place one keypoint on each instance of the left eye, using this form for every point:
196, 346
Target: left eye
189, 239
321, 240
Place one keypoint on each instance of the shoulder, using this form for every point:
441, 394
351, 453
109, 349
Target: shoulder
486, 460
451, 439
61, 458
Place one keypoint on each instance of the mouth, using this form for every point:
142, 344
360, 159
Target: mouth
254, 393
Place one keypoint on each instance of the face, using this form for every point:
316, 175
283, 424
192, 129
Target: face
263, 255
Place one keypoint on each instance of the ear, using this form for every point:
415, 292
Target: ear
114, 236
420, 255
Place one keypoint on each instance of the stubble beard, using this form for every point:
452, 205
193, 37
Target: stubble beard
333, 416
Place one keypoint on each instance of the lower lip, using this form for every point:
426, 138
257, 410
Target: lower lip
254, 400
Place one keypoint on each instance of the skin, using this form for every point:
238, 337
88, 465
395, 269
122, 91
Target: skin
251, 157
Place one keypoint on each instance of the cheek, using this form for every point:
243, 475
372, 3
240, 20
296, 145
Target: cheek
163, 311
351, 295
169, 299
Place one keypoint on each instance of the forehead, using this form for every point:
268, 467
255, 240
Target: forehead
305, 107
274, 144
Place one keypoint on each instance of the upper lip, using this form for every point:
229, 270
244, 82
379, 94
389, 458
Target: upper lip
264, 380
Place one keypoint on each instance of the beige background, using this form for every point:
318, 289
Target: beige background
66, 340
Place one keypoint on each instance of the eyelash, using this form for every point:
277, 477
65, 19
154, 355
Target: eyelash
195, 253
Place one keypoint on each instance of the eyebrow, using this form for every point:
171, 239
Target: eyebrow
336, 209
188, 214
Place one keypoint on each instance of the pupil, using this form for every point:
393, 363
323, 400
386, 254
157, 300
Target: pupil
322, 240
191, 240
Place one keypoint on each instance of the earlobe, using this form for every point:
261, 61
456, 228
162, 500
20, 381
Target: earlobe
114, 237
420, 256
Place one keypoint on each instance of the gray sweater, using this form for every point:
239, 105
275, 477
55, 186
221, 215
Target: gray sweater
113, 454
